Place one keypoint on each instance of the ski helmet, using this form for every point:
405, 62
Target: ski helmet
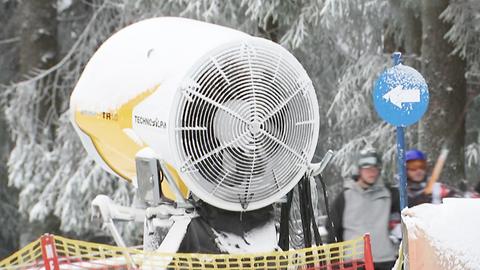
367, 157
414, 154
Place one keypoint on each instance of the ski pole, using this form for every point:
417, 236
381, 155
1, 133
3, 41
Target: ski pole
437, 170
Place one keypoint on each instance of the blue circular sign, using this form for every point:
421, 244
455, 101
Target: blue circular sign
401, 95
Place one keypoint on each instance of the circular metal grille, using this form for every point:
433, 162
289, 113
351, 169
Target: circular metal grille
246, 125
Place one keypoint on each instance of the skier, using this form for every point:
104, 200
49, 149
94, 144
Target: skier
417, 181
364, 206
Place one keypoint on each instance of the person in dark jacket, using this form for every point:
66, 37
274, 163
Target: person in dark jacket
365, 206
417, 181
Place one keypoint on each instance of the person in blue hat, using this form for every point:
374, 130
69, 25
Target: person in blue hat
417, 180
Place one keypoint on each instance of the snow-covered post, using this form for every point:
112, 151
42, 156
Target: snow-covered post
401, 168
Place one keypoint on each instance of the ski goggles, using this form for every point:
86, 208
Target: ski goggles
368, 162
416, 165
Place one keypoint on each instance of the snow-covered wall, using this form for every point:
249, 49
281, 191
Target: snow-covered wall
444, 236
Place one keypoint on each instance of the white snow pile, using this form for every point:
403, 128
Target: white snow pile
451, 229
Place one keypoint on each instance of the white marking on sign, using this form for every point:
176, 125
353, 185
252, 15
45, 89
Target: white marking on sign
398, 95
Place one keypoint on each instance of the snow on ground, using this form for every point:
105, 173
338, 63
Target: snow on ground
451, 229
261, 239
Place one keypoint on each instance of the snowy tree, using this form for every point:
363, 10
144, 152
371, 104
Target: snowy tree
430, 55
8, 71
38, 163
464, 34
445, 74
354, 121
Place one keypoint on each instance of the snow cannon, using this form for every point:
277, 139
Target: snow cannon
232, 118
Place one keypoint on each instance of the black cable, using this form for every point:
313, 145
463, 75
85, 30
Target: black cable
305, 212
284, 237
318, 237
325, 197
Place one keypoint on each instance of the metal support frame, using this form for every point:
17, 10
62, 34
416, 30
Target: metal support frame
162, 213
181, 202
317, 168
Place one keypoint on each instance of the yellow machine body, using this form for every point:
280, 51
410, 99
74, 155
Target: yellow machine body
110, 137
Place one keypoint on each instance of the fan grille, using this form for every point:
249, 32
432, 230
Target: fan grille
246, 125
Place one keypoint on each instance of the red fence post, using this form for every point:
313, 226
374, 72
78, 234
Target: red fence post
367, 252
49, 252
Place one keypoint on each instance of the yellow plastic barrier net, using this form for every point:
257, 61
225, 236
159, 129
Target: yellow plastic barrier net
26, 258
55, 252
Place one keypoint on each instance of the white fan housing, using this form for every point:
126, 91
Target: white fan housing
235, 115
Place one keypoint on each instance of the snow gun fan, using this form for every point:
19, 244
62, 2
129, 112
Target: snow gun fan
232, 117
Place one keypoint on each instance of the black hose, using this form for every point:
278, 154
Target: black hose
316, 233
305, 211
325, 197
284, 237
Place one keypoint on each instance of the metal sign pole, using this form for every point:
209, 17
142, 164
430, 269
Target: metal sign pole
401, 168
400, 97
402, 172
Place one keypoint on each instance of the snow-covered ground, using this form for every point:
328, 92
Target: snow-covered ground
444, 236
261, 239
